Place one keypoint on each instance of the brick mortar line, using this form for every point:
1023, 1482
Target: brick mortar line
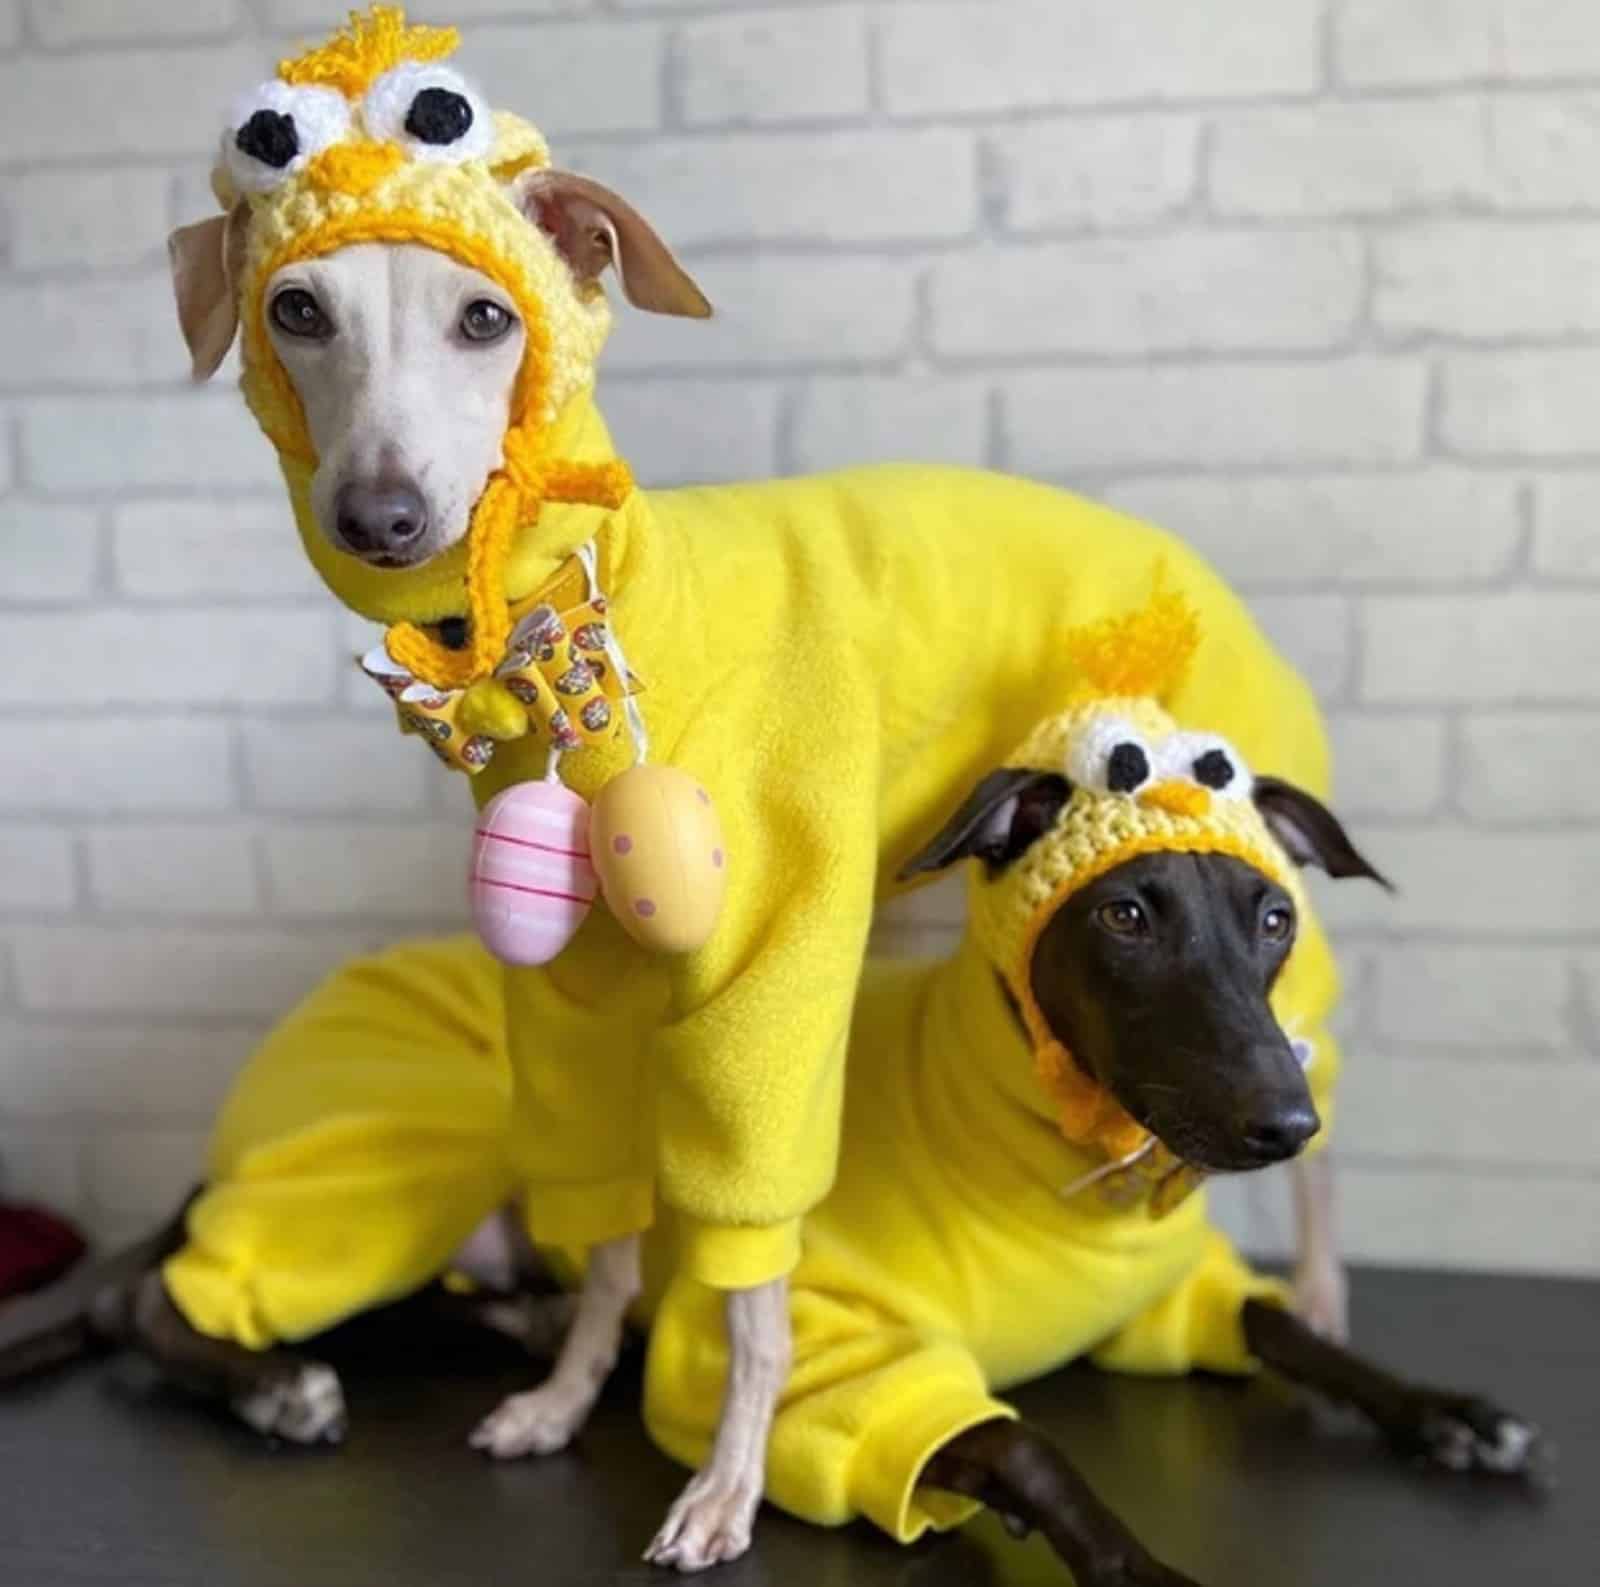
1475, 1167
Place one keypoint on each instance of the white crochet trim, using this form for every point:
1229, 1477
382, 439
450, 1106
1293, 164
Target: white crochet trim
1177, 753
1089, 753
389, 102
321, 119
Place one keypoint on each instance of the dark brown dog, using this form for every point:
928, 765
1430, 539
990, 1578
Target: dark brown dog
1157, 977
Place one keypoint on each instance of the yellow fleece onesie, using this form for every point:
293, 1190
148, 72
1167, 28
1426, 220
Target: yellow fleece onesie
830, 657
370, 1134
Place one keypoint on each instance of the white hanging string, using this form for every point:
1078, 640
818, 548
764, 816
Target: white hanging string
1105, 1170
619, 661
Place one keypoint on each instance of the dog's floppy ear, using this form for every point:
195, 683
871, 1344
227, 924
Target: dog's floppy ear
1311, 832
593, 228
1007, 811
207, 261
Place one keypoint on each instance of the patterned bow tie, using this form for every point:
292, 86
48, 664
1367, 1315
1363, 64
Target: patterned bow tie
558, 679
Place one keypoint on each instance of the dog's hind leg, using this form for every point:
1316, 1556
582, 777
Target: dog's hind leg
277, 1392
1017, 1472
711, 1522
1459, 1432
547, 1418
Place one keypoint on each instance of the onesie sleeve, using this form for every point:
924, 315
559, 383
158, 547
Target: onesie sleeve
750, 1068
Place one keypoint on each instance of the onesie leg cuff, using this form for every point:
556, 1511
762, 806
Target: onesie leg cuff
890, 1461
216, 1300
586, 1215
724, 1257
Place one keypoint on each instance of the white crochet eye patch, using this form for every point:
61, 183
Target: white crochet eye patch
431, 111
1207, 759
1109, 755
274, 129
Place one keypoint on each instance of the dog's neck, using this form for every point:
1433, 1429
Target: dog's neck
976, 1063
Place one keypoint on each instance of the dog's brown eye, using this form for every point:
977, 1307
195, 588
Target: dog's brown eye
296, 313
1277, 923
485, 321
1124, 918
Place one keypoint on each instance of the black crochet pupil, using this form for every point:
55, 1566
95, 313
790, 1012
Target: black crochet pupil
1128, 768
439, 115
1213, 769
269, 136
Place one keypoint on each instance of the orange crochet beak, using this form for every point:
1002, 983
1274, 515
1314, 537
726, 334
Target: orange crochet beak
1177, 798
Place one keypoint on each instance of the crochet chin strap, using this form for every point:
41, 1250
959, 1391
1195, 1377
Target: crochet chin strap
511, 501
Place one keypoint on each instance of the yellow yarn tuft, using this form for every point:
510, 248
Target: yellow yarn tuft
1145, 652
365, 48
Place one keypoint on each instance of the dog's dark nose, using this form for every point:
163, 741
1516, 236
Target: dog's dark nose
386, 519
1274, 1134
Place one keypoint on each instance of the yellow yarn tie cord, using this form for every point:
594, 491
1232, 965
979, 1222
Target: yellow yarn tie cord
512, 500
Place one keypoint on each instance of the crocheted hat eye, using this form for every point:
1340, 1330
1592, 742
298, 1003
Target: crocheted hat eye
275, 128
1109, 755
1209, 760
431, 111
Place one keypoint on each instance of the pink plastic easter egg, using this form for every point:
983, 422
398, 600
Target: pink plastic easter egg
532, 881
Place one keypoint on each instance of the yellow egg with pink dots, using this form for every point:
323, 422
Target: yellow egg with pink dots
658, 850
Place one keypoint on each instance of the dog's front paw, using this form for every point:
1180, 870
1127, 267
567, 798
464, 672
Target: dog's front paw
539, 1422
303, 1404
710, 1524
1460, 1433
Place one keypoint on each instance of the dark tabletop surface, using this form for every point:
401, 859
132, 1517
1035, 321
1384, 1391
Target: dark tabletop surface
108, 1477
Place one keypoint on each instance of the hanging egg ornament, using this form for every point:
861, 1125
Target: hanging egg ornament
532, 879
659, 853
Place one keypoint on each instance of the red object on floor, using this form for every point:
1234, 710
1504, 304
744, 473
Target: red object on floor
35, 1247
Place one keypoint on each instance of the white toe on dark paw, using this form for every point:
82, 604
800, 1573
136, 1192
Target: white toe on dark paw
1474, 1436
1512, 1449
303, 1406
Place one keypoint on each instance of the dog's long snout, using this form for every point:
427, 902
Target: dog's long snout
1273, 1129
387, 519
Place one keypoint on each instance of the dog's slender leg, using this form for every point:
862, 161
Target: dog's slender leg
1457, 1431
1017, 1472
278, 1393
711, 1522
1321, 1296
547, 1418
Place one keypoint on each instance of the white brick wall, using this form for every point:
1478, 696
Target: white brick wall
1314, 282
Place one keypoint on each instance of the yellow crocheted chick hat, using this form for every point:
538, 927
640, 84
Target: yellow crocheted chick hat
1141, 784
373, 137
